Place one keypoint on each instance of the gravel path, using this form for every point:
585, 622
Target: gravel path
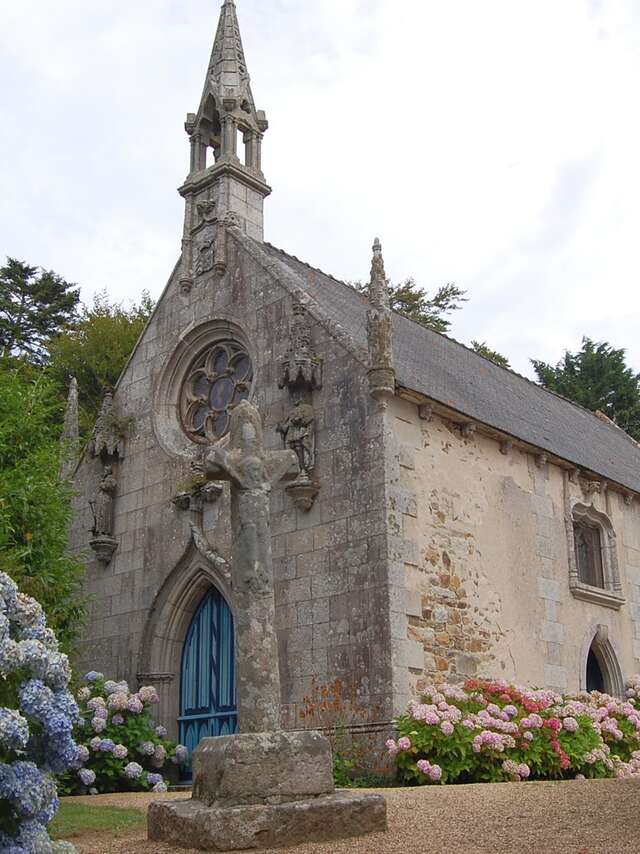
589, 817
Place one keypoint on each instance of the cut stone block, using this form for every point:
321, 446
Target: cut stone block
191, 824
262, 768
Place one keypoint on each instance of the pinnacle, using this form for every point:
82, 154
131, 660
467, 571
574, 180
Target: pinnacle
378, 293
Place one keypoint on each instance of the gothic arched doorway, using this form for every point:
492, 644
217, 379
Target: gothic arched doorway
602, 672
207, 679
595, 676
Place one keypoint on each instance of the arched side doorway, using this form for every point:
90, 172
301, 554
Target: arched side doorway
207, 677
602, 670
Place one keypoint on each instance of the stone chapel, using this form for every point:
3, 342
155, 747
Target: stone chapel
449, 518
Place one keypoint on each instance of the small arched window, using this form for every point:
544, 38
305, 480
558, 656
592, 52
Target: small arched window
588, 547
593, 559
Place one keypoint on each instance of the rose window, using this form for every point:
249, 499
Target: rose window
218, 380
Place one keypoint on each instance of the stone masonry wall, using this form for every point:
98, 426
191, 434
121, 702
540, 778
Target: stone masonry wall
482, 563
330, 564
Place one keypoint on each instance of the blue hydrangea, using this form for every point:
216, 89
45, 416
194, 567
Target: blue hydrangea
14, 730
93, 676
26, 784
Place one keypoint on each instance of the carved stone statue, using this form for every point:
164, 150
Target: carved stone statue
298, 433
252, 471
103, 512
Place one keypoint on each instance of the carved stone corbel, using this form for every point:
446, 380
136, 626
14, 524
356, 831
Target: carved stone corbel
468, 430
506, 447
193, 500
629, 498
425, 412
542, 460
592, 487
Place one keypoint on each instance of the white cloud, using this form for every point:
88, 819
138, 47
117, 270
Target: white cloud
492, 144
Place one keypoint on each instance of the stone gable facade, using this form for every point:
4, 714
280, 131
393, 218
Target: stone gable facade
432, 530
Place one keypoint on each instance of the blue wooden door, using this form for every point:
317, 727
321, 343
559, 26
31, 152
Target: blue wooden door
207, 684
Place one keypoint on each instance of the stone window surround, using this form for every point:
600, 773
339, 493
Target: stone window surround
166, 420
611, 595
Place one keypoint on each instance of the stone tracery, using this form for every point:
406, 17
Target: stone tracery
218, 380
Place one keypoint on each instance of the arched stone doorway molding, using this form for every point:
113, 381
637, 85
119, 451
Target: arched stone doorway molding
167, 625
598, 640
166, 420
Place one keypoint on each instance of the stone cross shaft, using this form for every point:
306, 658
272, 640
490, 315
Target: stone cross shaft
252, 471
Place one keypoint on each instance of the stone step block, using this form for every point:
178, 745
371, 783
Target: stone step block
191, 824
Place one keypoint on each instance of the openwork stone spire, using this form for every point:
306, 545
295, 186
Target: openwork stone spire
382, 375
70, 439
225, 185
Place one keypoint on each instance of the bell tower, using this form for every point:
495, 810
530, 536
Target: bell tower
225, 185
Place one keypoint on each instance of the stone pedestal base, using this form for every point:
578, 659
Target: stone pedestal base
191, 824
264, 790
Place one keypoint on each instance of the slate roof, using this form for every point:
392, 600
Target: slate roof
450, 373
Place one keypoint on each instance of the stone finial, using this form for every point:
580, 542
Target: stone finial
301, 369
381, 374
378, 286
70, 438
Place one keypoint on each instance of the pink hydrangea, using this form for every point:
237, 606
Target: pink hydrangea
404, 743
570, 724
392, 747
447, 728
118, 701
120, 751
433, 772
135, 705
148, 694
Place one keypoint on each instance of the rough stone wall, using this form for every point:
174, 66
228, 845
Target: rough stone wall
482, 562
330, 564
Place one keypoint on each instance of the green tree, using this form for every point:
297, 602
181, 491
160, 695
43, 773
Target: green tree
34, 305
34, 505
598, 378
96, 350
413, 302
483, 349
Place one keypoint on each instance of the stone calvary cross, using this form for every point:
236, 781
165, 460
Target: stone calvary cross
252, 471
261, 788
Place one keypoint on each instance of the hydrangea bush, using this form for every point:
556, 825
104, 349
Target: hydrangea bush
120, 746
490, 731
37, 715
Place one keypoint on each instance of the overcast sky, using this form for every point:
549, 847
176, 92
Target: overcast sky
493, 144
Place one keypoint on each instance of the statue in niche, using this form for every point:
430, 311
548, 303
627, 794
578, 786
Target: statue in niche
206, 258
298, 433
103, 508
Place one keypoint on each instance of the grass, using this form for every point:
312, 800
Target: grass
75, 820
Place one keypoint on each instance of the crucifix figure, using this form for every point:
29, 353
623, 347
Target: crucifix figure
252, 471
